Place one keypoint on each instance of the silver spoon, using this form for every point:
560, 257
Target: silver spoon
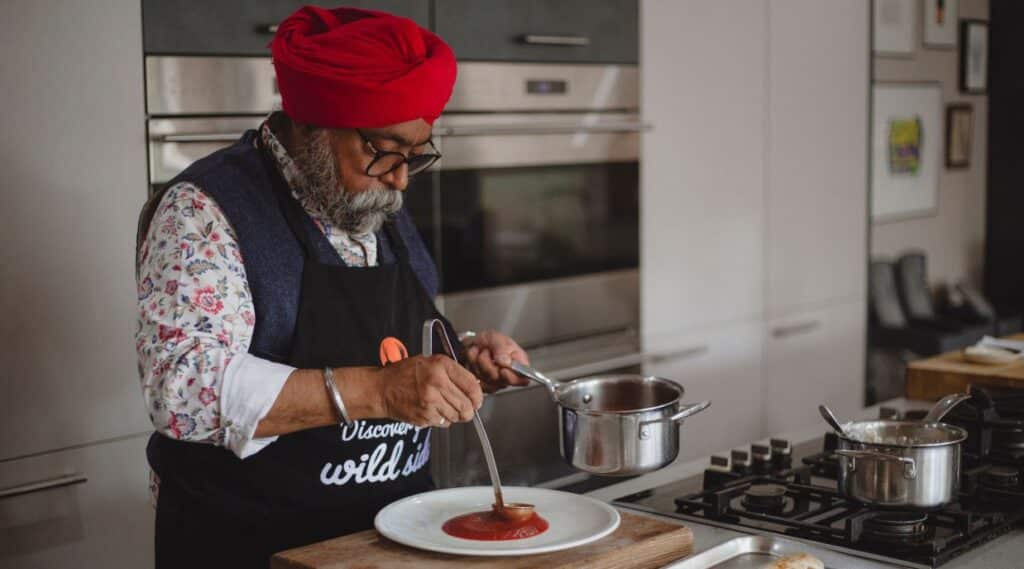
830, 418
513, 511
944, 406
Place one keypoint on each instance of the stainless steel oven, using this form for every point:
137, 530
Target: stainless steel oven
532, 217
532, 213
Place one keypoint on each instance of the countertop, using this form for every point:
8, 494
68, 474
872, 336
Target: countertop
1004, 552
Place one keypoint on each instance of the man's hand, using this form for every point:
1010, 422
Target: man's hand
428, 391
487, 352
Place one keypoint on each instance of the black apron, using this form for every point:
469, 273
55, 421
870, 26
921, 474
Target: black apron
316, 484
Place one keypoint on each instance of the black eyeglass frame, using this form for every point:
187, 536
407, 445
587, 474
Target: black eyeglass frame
379, 154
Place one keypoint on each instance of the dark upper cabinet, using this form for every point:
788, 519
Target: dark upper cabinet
237, 27
583, 31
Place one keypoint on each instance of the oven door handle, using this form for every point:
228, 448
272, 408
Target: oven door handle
540, 129
199, 137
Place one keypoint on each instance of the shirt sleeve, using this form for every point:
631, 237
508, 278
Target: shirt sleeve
196, 321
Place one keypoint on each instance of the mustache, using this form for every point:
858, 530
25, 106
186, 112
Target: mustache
353, 212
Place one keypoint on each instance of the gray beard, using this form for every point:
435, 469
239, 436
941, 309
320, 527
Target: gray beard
354, 213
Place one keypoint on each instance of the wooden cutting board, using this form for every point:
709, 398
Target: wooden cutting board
640, 542
930, 379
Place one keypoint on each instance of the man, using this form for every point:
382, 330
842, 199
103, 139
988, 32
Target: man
282, 294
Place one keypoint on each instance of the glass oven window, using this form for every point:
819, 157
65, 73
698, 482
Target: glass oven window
504, 226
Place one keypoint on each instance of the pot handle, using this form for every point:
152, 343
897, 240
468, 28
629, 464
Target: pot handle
534, 375
683, 413
909, 465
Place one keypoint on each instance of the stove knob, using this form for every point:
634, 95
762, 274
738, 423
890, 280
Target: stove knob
782, 455
889, 414
740, 462
762, 458
720, 463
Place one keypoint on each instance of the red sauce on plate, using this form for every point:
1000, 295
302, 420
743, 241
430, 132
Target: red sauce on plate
489, 526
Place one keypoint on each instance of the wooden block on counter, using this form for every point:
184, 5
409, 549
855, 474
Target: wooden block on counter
931, 378
640, 542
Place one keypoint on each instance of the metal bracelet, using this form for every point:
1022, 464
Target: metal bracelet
335, 396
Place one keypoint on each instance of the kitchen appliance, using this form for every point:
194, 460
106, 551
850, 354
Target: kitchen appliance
793, 491
617, 425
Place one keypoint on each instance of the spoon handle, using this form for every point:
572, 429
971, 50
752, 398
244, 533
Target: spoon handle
485, 442
944, 405
830, 418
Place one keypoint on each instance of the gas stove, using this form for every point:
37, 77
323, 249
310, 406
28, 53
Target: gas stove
793, 491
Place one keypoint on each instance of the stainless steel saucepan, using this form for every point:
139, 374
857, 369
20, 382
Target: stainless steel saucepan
902, 464
617, 425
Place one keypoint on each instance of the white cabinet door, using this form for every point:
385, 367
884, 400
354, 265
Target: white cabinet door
818, 93
74, 180
702, 174
723, 366
106, 521
812, 358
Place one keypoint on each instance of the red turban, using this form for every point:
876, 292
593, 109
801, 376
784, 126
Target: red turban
352, 68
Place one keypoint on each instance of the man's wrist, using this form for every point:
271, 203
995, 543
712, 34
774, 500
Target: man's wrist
361, 392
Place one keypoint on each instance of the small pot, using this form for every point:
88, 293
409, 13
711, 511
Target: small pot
617, 425
900, 463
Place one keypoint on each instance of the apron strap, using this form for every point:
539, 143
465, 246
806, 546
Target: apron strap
396, 242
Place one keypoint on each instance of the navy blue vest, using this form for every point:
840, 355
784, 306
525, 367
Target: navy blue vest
238, 180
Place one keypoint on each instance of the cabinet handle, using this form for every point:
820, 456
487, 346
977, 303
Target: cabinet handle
561, 41
538, 129
199, 137
683, 354
42, 485
795, 329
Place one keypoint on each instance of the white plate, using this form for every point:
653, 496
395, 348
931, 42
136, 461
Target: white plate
416, 521
990, 355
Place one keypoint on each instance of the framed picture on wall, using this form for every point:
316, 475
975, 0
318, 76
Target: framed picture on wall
959, 129
893, 28
906, 150
974, 56
940, 23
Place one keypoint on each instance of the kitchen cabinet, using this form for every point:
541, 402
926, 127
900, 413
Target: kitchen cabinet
74, 181
721, 365
238, 27
579, 31
702, 163
105, 521
754, 193
817, 138
812, 358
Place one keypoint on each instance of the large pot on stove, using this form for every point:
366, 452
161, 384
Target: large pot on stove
900, 463
903, 464
617, 425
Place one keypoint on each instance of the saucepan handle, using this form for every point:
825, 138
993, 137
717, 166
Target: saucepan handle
684, 412
909, 465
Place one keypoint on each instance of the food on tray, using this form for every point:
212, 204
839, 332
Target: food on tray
797, 561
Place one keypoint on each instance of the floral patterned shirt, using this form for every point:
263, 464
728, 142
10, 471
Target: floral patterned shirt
196, 318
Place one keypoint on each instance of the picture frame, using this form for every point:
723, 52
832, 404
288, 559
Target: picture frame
974, 57
906, 150
893, 27
959, 135
940, 23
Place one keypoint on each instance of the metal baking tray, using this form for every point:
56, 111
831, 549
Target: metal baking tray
757, 551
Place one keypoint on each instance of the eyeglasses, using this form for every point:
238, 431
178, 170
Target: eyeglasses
385, 162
